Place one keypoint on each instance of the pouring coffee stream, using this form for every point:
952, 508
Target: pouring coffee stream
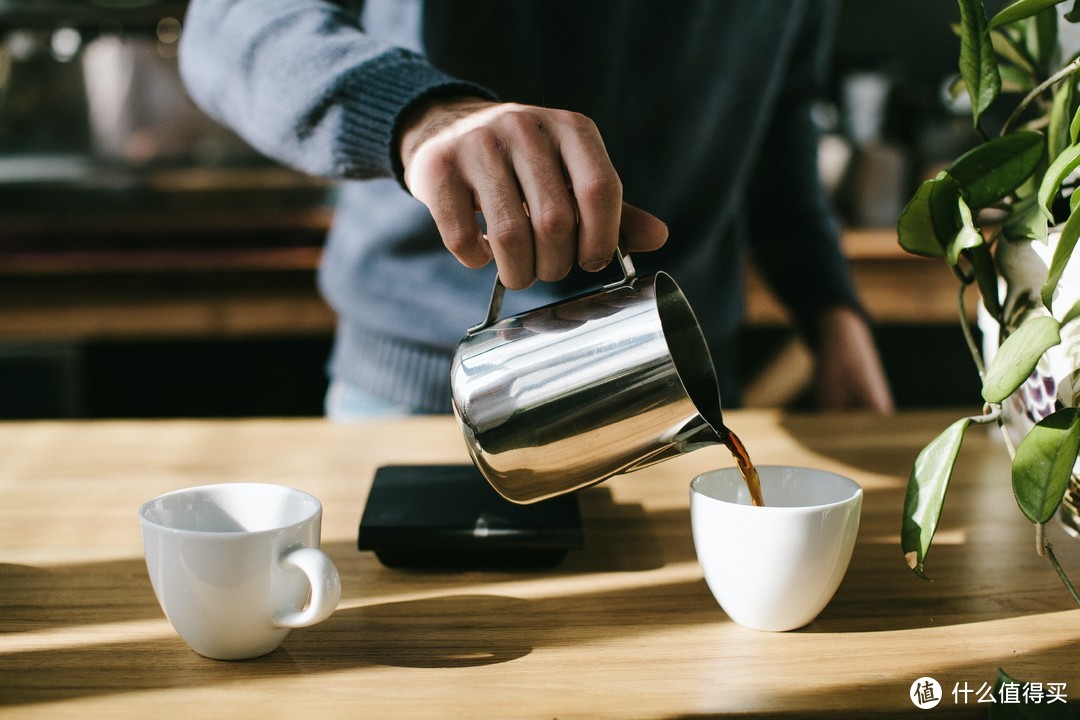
746, 466
562, 397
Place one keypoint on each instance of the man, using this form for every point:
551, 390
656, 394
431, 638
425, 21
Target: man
531, 133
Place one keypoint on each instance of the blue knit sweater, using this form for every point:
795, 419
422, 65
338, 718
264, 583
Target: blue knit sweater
704, 107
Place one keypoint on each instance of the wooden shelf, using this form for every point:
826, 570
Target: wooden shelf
242, 266
895, 287
191, 303
257, 290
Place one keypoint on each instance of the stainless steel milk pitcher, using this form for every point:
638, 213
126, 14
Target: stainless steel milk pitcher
567, 395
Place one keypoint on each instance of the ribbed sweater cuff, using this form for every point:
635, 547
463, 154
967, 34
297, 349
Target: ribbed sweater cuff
376, 100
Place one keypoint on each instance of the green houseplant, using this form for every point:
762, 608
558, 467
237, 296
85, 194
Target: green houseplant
1008, 194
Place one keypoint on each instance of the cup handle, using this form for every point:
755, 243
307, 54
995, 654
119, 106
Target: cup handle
325, 588
626, 265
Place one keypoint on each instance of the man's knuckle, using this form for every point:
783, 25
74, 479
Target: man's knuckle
508, 233
599, 188
576, 120
457, 240
554, 222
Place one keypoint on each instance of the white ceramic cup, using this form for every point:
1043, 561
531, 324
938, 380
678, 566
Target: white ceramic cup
235, 566
774, 567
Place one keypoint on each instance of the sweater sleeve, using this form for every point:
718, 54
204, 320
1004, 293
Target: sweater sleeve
793, 235
302, 83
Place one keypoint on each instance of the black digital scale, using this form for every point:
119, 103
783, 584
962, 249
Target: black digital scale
448, 516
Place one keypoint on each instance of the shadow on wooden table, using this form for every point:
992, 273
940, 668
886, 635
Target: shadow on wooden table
449, 631
453, 631
983, 560
44, 598
635, 567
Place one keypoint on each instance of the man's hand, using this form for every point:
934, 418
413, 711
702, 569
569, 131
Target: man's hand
541, 178
849, 372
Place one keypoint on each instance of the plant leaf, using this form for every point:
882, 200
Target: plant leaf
1063, 164
1014, 80
1043, 38
1057, 133
1074, 14
1012, 53
968, 236
1026, 219
986, 275
928, 222
1062, 254
1020, 10
1017, 357
925, 495
994, 169
1044, 463
978, 63
1074, 311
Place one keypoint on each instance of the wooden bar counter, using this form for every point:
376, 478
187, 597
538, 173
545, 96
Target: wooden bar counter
623, 628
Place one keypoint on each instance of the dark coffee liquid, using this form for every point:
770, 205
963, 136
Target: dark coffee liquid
746, 468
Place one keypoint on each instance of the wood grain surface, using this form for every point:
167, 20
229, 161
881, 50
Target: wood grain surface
624, 628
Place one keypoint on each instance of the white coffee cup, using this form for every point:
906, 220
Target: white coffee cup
235, 566
774, 567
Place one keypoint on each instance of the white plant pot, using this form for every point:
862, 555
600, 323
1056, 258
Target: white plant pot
1055, 383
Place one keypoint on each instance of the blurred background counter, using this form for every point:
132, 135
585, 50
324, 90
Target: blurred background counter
152, 264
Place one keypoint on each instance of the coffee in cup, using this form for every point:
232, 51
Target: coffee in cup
774, 567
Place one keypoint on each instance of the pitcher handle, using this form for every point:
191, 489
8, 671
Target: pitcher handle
629, 275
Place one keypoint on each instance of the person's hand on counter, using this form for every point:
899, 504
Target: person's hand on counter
849, 374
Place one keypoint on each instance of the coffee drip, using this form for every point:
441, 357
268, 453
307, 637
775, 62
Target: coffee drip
746, 468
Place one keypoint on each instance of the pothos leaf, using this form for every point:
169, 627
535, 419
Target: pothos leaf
1074, 311
1026, 220
1062, 254
967, 237
925, 495
1020, 10
928, 222
986, 275
1013, 53
1014, 80
994, 169
1044, 463
1060, 169
1017, 357
1042, 37
1057, 133
978, 64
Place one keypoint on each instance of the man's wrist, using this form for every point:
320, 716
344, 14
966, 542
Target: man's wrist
429, 115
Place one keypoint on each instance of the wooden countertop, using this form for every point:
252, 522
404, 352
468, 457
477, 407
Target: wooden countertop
623, 628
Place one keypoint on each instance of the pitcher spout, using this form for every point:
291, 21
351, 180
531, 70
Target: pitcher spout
694, 436
705, 434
